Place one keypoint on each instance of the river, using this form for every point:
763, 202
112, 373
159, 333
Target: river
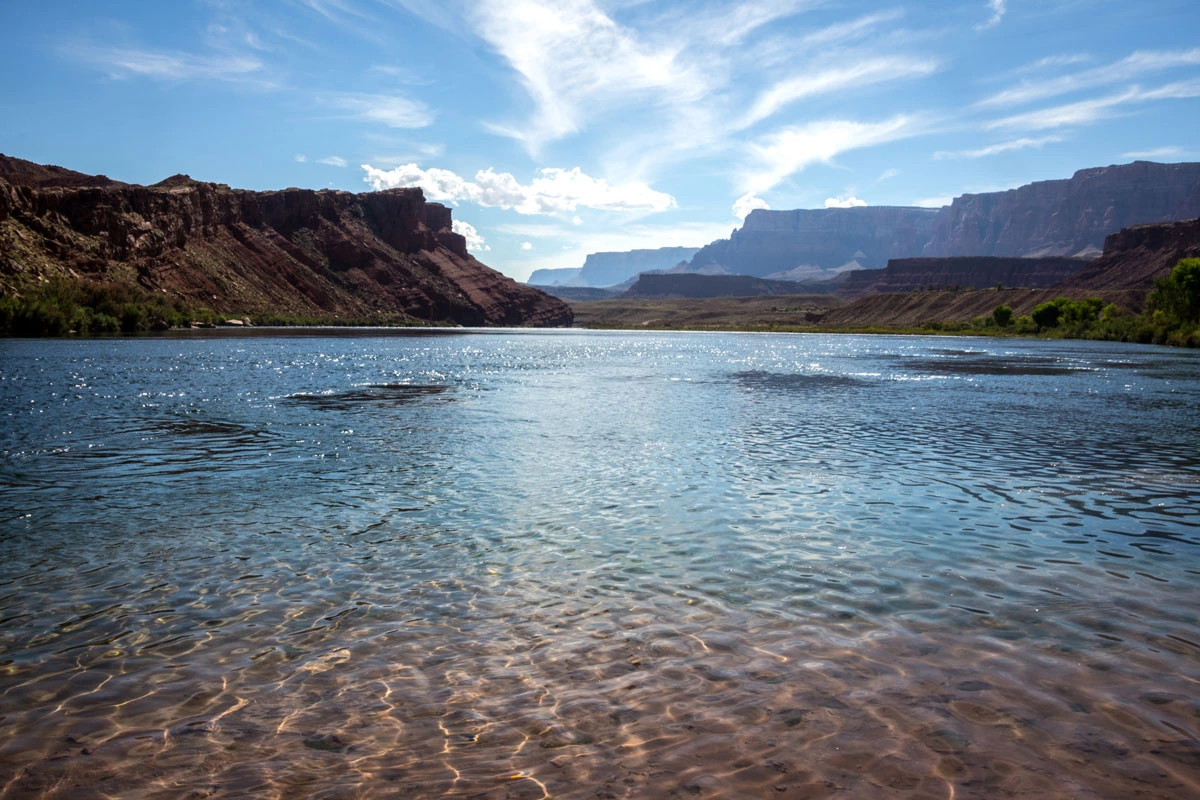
595, 564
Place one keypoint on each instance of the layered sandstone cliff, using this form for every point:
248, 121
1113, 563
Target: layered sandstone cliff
1066, 217
1135, 256
967, 272
295, 251
804, 243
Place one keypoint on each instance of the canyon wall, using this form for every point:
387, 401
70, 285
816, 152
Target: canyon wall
295, 251
1069, 217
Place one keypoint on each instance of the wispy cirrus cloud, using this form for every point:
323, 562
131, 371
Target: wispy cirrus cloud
1129, 68
1023, 143
394, 111
574, 60
998, 9
552, 192
1086, 112
1047, 62
129, 62
782, 153
836, 79
1171, 151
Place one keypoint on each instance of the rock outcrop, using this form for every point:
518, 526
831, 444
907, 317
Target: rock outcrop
294, 251
1133, 257
966, 272
1066, 217
811, 243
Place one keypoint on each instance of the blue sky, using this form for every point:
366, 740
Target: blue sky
559, 128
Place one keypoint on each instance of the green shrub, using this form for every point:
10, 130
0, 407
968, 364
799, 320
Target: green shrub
1002, 316
1178, 294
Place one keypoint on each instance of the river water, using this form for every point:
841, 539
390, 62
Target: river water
587, 564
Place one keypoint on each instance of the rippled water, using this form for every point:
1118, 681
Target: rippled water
581, 564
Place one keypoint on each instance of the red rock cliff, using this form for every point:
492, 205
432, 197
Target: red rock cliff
295, 251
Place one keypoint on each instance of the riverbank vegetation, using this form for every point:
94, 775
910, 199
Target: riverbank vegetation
1171, 316
61, 307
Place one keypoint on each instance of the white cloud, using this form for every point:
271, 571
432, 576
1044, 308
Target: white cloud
574, 59
393, 111
301, 157
998, 8
333, 161
1001, 147
795, 148
475, 242
887, 175
1087, 111
554, 191
1126, 69
576, 220
1158, 152
168, 65
837, 79
1065, 60
526, 245
1080, 113
844, 202
934, 202
747, 203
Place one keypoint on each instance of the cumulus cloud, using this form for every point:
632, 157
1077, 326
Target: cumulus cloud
553, 192
844, 202
333, 161
475, 242
526, 245
747, 203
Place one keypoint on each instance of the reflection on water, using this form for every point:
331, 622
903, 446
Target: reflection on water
581, 564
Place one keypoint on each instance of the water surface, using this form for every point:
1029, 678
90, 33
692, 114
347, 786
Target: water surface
579, 564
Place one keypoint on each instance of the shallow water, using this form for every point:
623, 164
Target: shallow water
578, 564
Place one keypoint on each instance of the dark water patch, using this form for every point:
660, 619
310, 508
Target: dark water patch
375, 394
796, 381
992, 365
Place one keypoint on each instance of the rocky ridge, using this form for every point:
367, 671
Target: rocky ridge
294, 251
